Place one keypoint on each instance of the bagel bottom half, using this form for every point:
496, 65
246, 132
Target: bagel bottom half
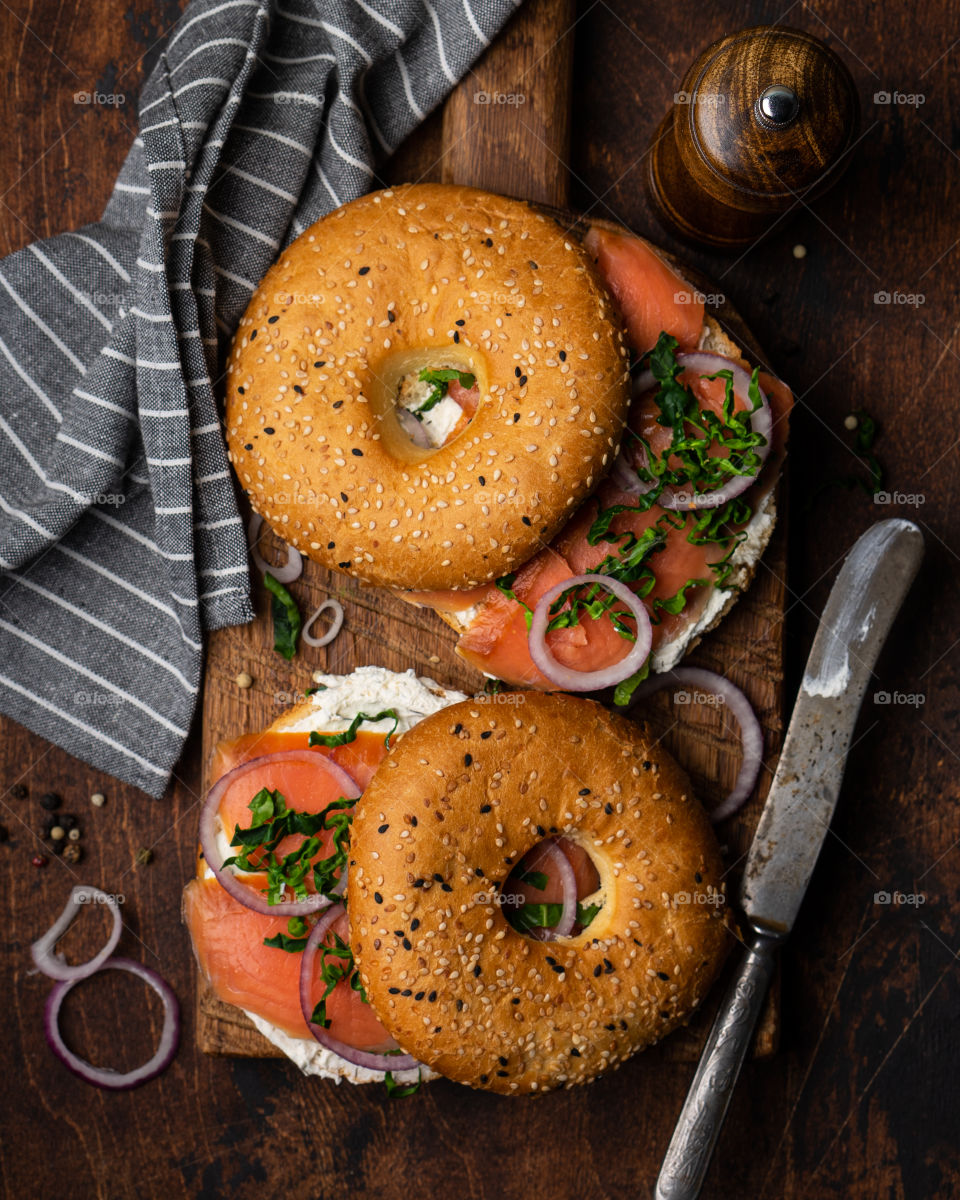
459, 801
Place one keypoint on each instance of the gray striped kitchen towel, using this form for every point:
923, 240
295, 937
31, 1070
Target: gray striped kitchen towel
120, 538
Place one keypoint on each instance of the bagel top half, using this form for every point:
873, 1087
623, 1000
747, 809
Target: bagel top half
457, 803
426, 275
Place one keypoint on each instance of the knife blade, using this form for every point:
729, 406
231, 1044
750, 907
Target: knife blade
860, 610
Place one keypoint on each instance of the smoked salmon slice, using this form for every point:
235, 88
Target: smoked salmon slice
651, 296
359, 758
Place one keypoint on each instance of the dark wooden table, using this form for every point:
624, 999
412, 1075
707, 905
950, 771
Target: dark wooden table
862, 1100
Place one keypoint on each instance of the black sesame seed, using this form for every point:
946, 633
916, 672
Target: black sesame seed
639, 943
575, 1052
378, 897
391, 317
541, 831
516, 418
414, 924
523, 381
407, 992
331, 545
486, 733
563, 356
458, 728
478, 871
551, 960
665, 1015
248, 446
297, 388
394, 991
344, 566
337, 404
584, 792
363, 270
414, 822
456, 335
461, 322
419, 995
418, 883
646, 764
517, 372
558, 969
610, 1026
526, 520
504, 1074
483, 482
533, 266
432, 997
488, 242
623, 1025
459, 1006
608, 966
698, 877
597, 971
608, 809
253, 335
382, 828
240, 390
445, 887
477, 971
501, 1060
485, 808
320, 364
467, 760
398, 933
437, 1028
515, 1000
662, 975
484, 1078
269, 430
344, 497
438, 877
272, 320
356, 453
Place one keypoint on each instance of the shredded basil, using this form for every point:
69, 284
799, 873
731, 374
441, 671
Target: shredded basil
505, 584
336, 964
350, 735
272, 822
441, 378
286, 617
545, 916
536, 879
397, 1091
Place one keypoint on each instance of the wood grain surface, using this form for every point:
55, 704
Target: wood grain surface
861, 1101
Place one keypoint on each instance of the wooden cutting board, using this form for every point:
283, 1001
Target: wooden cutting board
517, 147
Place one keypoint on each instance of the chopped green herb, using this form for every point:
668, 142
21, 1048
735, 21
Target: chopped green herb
536, 879
623, 693
545, 916
505, 584
350, 735
441, 378
286, 617
398, 1090
282, 941
336, 964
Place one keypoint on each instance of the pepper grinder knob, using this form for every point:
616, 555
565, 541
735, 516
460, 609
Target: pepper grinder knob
765, 117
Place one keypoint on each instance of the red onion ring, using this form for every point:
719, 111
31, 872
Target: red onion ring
208, 832
335, 624
55, 965
413, 429
106, 1077
760, 422
291, 569
589, 681
563, 868
359, 1058
751, 734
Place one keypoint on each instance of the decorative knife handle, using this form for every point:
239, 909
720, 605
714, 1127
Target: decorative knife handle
691, 1147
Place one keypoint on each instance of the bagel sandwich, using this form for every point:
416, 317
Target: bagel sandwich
430, 392
484, 902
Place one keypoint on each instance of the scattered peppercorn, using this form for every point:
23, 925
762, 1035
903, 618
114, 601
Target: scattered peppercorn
39, 860
244, 680
58, 833
72, 853
74, 835
19, 791
98, 799
50, 801
67, 820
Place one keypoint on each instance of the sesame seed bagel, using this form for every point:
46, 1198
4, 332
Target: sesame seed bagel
460, 800
425, 276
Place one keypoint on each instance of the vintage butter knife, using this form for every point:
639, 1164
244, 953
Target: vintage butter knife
863, 602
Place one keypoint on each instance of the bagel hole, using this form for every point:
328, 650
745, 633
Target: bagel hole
532, 894
422, 406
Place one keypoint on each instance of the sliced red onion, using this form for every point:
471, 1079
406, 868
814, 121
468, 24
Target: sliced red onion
336, 623
751, 735
414, 429
291, 569
359, 1058
256, 900
560, 866
55, 965
106, 1077
761, 422
589, 681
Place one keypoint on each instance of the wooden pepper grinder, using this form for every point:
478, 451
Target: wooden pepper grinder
765, 116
